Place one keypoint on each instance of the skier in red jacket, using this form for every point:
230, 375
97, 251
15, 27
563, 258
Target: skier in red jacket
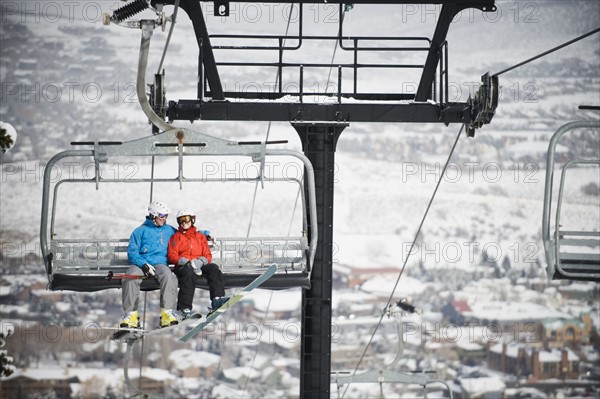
188, 250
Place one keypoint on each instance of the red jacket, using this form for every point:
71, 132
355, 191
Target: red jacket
189, 244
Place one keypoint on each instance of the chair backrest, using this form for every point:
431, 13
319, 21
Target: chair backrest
570, 254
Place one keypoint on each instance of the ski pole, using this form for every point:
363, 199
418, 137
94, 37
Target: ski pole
124, 276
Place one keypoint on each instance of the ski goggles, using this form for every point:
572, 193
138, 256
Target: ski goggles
162, 215
184, 219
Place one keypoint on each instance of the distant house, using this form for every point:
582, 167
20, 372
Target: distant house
343, 357
559, 333
240, 375
354, 276
522, 361
555, 363
34, 383
470, 353
5, 290
456, 312
193, 364
509, 359
578, 290
506, 315
154, 381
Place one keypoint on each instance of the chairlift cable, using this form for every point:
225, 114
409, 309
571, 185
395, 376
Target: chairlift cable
254, 201
173, 18
334, 52
257, 346
287, 29
326, 86
143, 340
146, 292
407, 255
252, 207
548, 52
294, 210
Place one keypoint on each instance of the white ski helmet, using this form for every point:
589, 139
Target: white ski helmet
157, 208
187, 212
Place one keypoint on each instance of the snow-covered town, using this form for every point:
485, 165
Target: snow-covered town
494, 337
488, 320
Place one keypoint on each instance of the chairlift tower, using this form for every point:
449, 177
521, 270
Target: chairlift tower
320, 124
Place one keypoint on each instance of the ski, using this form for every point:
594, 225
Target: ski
124, 333
232, 301
136, 333
190, 320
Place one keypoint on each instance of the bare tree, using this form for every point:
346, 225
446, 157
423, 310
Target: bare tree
6, 362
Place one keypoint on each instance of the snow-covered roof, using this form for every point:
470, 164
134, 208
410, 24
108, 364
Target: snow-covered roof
554, 356
525, 392
555, 324
42, 374
235, 373
469, 346
157, 374
223, 391
62, 307
579, 286
511, 311
461, 306
476, 387
385, 285
5, 290
512, 349
110, 376
185, 358
545, 356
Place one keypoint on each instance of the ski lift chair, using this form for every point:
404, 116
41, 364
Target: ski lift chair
570, 254
390, 373
81, 264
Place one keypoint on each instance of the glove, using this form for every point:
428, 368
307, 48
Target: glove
202, 260
197, 271
149, 270
182, 262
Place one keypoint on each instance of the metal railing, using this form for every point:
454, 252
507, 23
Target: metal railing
357, 46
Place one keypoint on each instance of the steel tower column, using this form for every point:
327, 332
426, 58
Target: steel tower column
318, 143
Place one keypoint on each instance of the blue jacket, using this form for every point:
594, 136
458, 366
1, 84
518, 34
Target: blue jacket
148, 244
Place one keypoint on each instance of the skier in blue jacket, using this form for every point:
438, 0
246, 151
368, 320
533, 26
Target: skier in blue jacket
147, 253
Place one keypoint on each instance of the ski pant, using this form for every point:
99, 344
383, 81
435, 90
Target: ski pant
187, 284
131, 288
